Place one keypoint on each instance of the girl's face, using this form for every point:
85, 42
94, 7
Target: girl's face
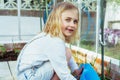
69, 22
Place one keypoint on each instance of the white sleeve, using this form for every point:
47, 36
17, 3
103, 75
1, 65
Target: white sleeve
72, 64
58, 61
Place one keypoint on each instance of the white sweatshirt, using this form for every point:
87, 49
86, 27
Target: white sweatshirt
44, 48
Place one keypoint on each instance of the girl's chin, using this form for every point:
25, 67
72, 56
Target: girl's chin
68, 35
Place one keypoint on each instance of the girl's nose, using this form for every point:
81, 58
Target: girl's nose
72, 24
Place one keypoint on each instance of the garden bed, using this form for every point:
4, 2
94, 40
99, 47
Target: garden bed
10, 51
8, 56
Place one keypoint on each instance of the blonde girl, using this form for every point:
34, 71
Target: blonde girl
46, 57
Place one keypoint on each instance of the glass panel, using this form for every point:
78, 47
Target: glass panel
112, 30
88, 25
112, 44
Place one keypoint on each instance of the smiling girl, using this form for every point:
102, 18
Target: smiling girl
46, 56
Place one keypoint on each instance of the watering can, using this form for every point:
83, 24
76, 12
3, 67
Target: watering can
88, 73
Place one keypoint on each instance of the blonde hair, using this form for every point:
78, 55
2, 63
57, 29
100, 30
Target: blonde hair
53, 24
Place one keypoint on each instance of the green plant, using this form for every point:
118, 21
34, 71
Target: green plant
107, 76
109, 68
87, 44
109, 51
2, 50
17, 51
94, 60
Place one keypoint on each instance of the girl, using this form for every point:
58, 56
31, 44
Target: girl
46, 57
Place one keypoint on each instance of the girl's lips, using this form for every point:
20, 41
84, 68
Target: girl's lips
71, 30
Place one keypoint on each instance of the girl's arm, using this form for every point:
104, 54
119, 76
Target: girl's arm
56, 55
72, 64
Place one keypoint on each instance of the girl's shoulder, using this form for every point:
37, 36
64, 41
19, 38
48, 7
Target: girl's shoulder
36, 37
55, 39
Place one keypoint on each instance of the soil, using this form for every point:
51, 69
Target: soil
10, 51
9, 56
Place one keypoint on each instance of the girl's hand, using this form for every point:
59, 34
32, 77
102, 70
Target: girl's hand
78, 72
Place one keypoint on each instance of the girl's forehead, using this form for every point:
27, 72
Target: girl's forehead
70, 13
70, 10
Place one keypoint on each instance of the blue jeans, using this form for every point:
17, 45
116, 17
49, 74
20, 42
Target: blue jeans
42, 73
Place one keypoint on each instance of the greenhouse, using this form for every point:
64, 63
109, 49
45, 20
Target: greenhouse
99, 43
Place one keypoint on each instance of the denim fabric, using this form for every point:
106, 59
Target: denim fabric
42, 73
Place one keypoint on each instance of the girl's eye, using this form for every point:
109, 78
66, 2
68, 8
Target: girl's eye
75, 21
68, 20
